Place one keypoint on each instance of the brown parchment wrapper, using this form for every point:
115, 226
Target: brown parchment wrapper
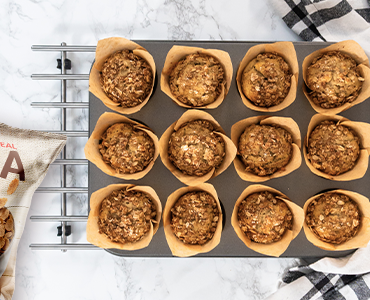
276, 248
362, 237
363, 132
190, 115
106, 48
176, 53
287, 51
92, 228
289, 125
179, 248
92, 152
355, 51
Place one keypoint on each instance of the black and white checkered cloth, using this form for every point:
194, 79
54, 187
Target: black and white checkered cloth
306, 284
327, 20
346, 278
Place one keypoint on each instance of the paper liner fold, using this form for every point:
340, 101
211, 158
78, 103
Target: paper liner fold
355, 51
362, 237
176, 53
276, 248
289, 125
361, 129
106, 48
191, 115
92, 228
92, 152
179, 248
287, 51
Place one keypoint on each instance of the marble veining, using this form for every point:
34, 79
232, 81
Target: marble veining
42, 275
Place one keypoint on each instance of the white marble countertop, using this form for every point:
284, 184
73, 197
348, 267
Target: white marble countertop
96, 274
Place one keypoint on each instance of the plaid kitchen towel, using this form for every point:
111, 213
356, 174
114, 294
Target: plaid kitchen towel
327, 20
346, 278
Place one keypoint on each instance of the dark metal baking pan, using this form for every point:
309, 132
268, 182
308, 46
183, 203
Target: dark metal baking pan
160, 112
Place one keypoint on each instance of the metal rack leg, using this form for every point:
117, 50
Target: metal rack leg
63, 172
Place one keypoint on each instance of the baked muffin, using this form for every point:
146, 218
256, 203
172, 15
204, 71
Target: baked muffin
264, 218
333, 149
194, 218
126, 149
195, 149
333, 79
333, 217
126, 78
197, 79
266, 80
265, 149
126, 216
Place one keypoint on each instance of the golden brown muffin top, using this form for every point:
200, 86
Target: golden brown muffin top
194, 218
125, 216
334, 218
266, 80
333, 149
264, 218
126, 149
333, 79
265, 149
197, 79
195, 149
126, 78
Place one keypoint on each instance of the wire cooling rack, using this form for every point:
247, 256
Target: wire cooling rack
65, 228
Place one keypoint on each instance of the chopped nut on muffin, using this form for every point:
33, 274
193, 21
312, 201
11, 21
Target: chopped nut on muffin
264, 218
333, 79
195, 149
194, 218
266, 80
265, 149
197, 79
333, 149
126, 78
126, 149
125, 216
334, 218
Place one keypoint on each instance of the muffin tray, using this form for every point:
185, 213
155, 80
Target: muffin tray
160, 112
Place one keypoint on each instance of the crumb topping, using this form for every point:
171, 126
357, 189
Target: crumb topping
264, 218
195, 149
125, 216
194, 218
266, 80
334, 218
197, 79
126, 78
265, 149
126, 149
334, 79
333, 149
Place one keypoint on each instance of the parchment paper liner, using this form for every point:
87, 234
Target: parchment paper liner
176, 53
190, 115
276, 248
355, 51
92, 152
362, 237
106, 48
179, 248
92, 229
363, 132
288, 124
285, 50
